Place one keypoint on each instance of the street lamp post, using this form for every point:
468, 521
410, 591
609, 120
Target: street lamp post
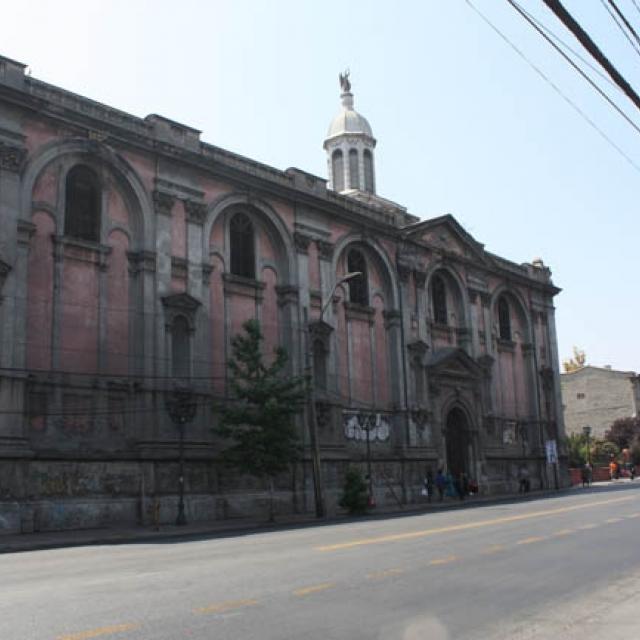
587, 432
181, 409
318, 486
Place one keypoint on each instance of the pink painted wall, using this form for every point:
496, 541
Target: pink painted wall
40, 293
46, 186
314, 267
383, 389
117, 312
361, 362
270, 328
79, 315
117, 210
217, 306
179, 230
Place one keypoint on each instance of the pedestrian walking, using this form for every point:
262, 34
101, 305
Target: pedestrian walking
441, 483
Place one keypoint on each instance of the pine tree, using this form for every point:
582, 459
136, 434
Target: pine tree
258, 418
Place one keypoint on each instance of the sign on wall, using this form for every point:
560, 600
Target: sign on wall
552, 451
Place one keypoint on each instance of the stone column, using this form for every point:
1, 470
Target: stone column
196, 214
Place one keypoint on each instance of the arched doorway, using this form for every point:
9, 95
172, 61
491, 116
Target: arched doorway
457, 435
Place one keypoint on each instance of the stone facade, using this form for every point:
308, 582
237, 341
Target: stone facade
97, 322
597, 396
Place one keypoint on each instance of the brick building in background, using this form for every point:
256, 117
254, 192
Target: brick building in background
597, 396
131, 252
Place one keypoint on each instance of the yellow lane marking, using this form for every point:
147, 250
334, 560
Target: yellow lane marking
494, 548
530, 540
563, 532
445, 560
395, 537
221, 607
612, 520
100, 631
385, 573
305, 591
584, 527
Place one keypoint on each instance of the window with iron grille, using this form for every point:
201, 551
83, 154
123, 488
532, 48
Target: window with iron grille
82, 210
439, 300
504, 319
241, 239
358, 287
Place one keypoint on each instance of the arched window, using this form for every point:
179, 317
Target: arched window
358, 287
319, 365
82, 209
368, 171
439, 300
504, 319
354, 178
241, 240
337, 167
180, 348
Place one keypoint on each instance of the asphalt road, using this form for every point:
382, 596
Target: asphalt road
460, 574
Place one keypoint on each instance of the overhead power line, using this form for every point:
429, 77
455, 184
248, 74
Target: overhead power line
567, 19
618, 24
626, 22
555, 87
529, 19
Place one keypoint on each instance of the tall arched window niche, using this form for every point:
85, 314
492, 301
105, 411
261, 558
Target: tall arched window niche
358, 287
504, 319
439, 300
180, 348
354, 169
368, 171
82, 204
242, 246
337, 168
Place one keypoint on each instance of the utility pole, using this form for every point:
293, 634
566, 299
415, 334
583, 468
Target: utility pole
318, 486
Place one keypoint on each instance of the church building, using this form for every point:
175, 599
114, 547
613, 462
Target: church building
131, 253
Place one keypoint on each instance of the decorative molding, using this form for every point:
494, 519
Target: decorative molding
320, 330
355, 311
287, 294
505, 345
237, 285
325, 249
404, 270
392, 318
179, 267
418, 350
178, 190
207, 270
527, 348
302, 242
12, 158
81, 250
420, 277
25, 232
196, 211
180, 304
163, 202
141, 261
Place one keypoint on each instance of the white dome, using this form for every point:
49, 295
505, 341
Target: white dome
349, 121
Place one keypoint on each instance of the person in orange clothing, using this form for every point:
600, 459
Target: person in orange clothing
613, 469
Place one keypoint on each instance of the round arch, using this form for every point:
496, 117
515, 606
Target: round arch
453, 277
266, 218
517, 303
380, 259
93, 153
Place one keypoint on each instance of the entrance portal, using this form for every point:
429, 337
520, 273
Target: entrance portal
457, 442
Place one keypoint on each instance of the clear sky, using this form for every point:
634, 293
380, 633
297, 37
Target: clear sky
464, 125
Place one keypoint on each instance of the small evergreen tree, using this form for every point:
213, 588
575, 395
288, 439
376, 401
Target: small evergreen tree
259, 416
354, 496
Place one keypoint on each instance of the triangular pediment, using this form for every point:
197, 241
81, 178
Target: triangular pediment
445, 233
182, 301
452, 361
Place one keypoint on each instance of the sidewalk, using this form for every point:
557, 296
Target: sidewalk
172, 533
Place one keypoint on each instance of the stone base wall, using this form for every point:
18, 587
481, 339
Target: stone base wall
54, 495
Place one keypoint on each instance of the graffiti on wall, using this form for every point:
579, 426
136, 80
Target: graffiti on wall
360, 425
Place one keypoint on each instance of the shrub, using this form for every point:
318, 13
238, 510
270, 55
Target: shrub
354, 496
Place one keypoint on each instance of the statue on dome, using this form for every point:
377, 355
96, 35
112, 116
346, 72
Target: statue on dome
345, 84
